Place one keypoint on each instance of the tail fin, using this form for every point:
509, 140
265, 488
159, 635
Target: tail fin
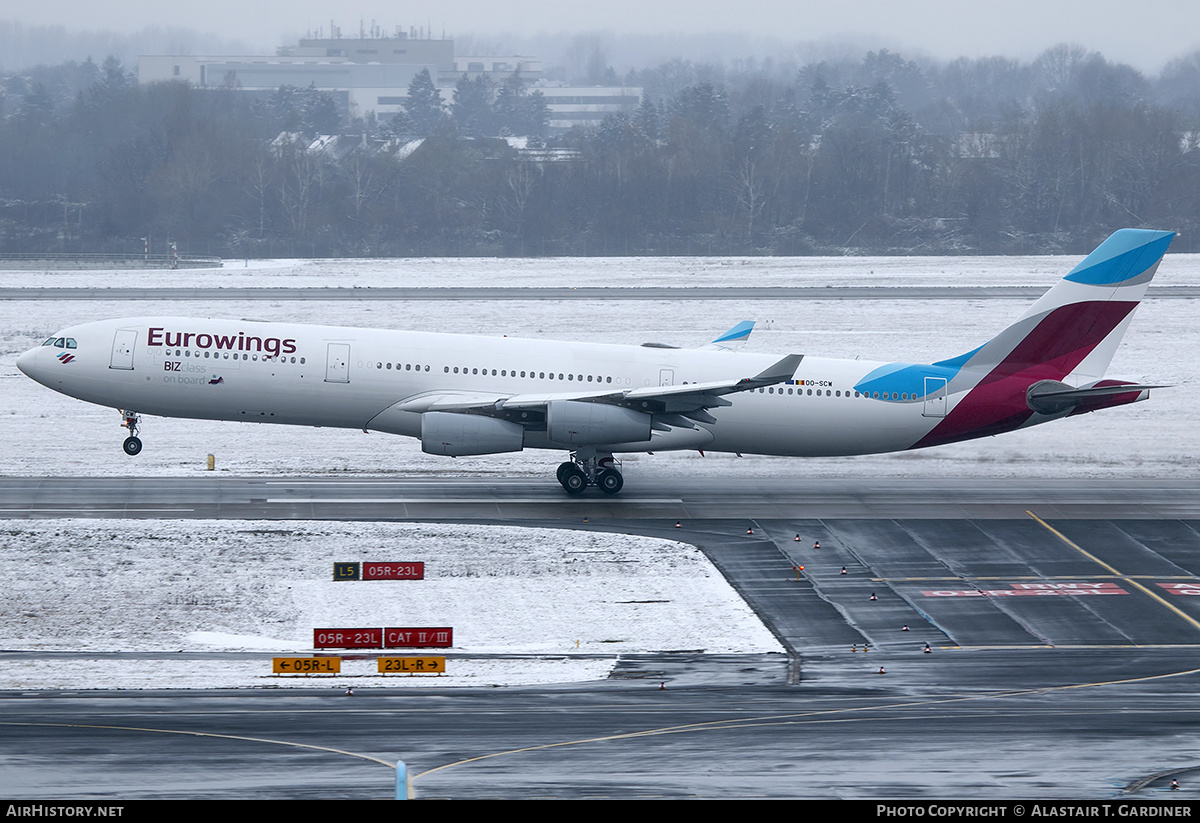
1071, 333
734, 338
1051, 361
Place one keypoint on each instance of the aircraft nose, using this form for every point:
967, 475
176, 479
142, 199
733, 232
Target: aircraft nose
26, 362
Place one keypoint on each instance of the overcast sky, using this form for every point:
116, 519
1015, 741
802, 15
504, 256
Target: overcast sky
1144, 33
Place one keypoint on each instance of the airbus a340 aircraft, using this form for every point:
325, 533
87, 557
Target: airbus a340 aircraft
466, 394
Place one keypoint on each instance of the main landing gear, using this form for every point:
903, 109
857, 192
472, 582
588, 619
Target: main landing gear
132, 444
591, 469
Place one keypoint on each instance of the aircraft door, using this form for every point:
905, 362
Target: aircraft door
337, 363
666, 377
936, 392
122, 350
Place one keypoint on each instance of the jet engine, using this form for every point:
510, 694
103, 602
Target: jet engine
456, 435
572, 423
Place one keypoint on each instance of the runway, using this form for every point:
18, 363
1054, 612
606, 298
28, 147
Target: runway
643, 499
1064, 654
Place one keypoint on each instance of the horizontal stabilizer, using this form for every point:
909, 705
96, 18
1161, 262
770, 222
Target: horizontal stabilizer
1051, 397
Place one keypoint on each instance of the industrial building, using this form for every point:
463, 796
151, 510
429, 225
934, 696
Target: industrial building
373, 73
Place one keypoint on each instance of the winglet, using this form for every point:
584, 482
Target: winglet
779, 372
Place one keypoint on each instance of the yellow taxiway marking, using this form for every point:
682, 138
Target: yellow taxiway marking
1127, 578
820, 715
206, 734
1006, 577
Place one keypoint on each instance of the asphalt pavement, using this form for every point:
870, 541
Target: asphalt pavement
1061, 621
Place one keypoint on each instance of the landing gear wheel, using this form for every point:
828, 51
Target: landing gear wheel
610, 481
574, 481
132, 446
562, 471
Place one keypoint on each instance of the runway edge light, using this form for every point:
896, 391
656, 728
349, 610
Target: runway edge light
403, 787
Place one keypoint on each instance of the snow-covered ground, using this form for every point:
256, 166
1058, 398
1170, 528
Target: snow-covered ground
209, 586
625, 272
217, 586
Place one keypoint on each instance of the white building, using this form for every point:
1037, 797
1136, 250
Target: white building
586, 105
374, 73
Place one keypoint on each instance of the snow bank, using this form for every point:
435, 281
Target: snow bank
197, 587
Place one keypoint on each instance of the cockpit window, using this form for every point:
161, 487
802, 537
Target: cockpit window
60, 343
71, 343
49, 341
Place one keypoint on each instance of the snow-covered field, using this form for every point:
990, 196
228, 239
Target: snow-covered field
208, 586
624, 272
103, 585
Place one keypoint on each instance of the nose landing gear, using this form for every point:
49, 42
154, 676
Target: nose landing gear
131, 421
594, 469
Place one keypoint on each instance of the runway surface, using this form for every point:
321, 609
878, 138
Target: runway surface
1002, 724
503, 499
1061, 618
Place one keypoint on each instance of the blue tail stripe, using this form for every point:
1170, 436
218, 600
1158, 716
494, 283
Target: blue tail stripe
1126, 255
739, 332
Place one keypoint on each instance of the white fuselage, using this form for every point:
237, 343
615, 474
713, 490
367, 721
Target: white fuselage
374, 379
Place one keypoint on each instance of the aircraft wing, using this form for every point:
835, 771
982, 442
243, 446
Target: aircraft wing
688, 399
449, 401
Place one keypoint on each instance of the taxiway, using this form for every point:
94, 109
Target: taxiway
1061, 617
